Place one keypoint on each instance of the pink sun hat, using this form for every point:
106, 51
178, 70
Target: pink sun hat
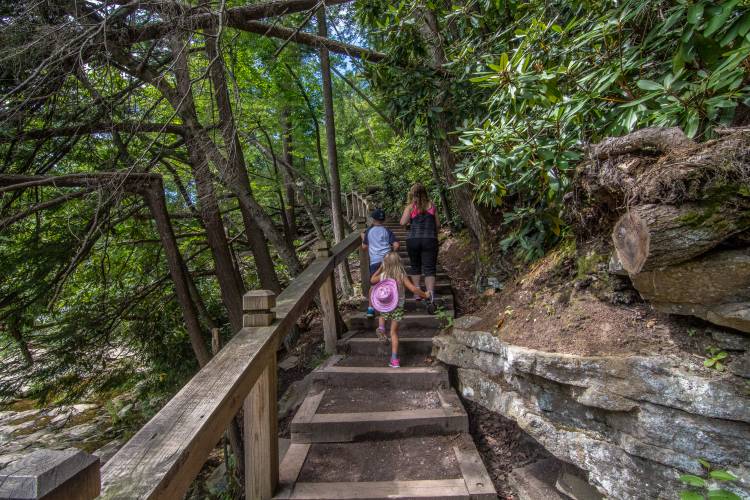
384, 295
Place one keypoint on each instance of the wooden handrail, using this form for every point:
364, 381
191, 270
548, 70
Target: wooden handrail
166, 454
358, 206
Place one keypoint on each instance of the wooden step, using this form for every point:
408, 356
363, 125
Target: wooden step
411, 320
413, 377
377, 413
445, 489
373, 346
411, 304
407, 468
412, 333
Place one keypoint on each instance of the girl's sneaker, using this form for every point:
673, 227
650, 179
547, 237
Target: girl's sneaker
380, 332
394, 363
370, 312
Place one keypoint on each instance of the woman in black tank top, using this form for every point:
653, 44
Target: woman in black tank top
422, 243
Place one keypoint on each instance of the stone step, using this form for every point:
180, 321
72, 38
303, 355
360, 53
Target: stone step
373, 346
437, 467
372, 372
343, 415
411, 320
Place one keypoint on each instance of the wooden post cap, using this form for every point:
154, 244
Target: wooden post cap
258, 300
69, 473
321, 249
257, 305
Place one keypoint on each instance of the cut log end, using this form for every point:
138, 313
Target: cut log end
653, 236
631, 239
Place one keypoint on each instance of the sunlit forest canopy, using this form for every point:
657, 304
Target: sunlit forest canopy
159, 158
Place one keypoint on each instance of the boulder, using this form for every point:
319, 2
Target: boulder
635, 424
536, 480
740, 365
715, 287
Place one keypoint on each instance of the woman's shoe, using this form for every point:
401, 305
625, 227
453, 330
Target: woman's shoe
394, 363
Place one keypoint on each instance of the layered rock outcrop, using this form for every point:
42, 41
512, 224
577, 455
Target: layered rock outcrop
634, 423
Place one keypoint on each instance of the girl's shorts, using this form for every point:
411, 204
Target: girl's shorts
395, 315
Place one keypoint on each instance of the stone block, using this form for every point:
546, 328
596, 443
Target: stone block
570, 483
536, 481
730, 340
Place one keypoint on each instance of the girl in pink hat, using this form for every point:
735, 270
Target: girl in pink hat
393, 307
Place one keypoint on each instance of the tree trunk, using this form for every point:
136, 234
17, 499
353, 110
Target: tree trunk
14, 329
230, 282
438, 182
316, 125
336, 218
158, 207
289, 172
462, 196
652, 236
264, 266
286, 152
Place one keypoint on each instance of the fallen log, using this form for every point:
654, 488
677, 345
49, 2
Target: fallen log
654, 236
656, 139
719, 277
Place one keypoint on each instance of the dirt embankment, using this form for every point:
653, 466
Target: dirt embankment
569, 302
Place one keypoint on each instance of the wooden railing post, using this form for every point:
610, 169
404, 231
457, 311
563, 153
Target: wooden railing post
328, 302
260, 414
70, 474
370, 206
364, 261
347, 206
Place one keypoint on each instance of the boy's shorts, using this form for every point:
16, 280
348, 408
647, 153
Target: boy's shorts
374, 267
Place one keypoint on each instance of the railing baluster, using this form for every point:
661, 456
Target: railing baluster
364, 261
260, 414
328, 303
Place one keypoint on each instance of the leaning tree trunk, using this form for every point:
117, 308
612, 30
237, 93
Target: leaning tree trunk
286, 151
264, 266
155, 199
462, 196
337, 219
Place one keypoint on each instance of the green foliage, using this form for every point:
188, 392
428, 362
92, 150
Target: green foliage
444, 317
529, 84
569, 73
701, 487
715, 359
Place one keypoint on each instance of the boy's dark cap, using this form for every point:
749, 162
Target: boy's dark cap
378, 214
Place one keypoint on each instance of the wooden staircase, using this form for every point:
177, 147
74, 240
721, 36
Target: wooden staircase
367, 431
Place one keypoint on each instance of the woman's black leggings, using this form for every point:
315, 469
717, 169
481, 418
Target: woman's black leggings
422, 255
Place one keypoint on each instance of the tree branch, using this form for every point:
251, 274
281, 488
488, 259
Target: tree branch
93, 128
